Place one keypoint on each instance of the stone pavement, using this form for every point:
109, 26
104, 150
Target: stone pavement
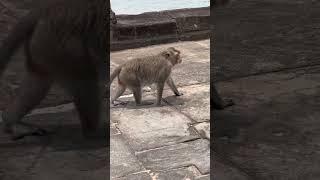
169, 142
271, 133
61, 155
273, 130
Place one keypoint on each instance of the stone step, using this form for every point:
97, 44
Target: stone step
151, 28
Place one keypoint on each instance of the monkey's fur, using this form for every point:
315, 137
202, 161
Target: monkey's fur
147, 70
217, 101
65, 42
220, 2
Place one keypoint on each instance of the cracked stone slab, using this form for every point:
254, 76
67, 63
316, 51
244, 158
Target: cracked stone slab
14, 164
222, 171
195, 153
66, 165
122, 159
187, 173
195, 102
281, 137
114, 130
204, 177
203, 129
152, 127
136, 176
63, 154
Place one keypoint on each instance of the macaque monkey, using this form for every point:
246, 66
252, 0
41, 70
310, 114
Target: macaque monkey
65, 42
139, 72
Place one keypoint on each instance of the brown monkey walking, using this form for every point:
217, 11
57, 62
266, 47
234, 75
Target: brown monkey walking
148, 70
65, 43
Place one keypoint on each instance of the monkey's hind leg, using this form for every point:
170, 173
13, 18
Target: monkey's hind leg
137, 94
120, 90
92, 108
32, 90
218, 102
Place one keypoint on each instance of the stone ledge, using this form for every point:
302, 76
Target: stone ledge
152, 28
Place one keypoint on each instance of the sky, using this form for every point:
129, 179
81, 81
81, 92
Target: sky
140, 6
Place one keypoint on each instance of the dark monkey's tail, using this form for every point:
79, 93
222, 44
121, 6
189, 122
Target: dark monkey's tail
16, 37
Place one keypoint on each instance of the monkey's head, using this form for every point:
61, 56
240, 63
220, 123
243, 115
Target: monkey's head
173, 55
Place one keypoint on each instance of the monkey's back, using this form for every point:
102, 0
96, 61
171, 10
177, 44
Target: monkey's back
144, 71
57, 45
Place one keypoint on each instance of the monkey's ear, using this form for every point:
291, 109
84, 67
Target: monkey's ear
166, 54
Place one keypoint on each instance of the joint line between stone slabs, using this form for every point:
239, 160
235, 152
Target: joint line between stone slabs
178, 110
117, 128
202, 134
191, 126
36, 159
227, 161
132, 151
268, 72
183, 167
135, 173
168, 145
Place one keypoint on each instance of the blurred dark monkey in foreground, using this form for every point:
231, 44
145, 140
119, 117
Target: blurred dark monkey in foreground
217, 101
65, 42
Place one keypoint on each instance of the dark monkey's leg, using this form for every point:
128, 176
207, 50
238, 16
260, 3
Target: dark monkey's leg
91, 106
32, 90
218, 102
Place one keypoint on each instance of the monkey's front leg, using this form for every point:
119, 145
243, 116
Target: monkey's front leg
32, 90
173, 86
160, 87
21, 129
218, 102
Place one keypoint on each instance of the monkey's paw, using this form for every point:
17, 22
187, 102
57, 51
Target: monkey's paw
179, 94
36, 132
119, 103
21, 130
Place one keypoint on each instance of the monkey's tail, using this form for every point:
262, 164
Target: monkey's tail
16, 37
114, 74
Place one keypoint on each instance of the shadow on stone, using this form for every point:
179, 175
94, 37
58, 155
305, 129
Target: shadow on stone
65, 137
169, 100
225, 125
